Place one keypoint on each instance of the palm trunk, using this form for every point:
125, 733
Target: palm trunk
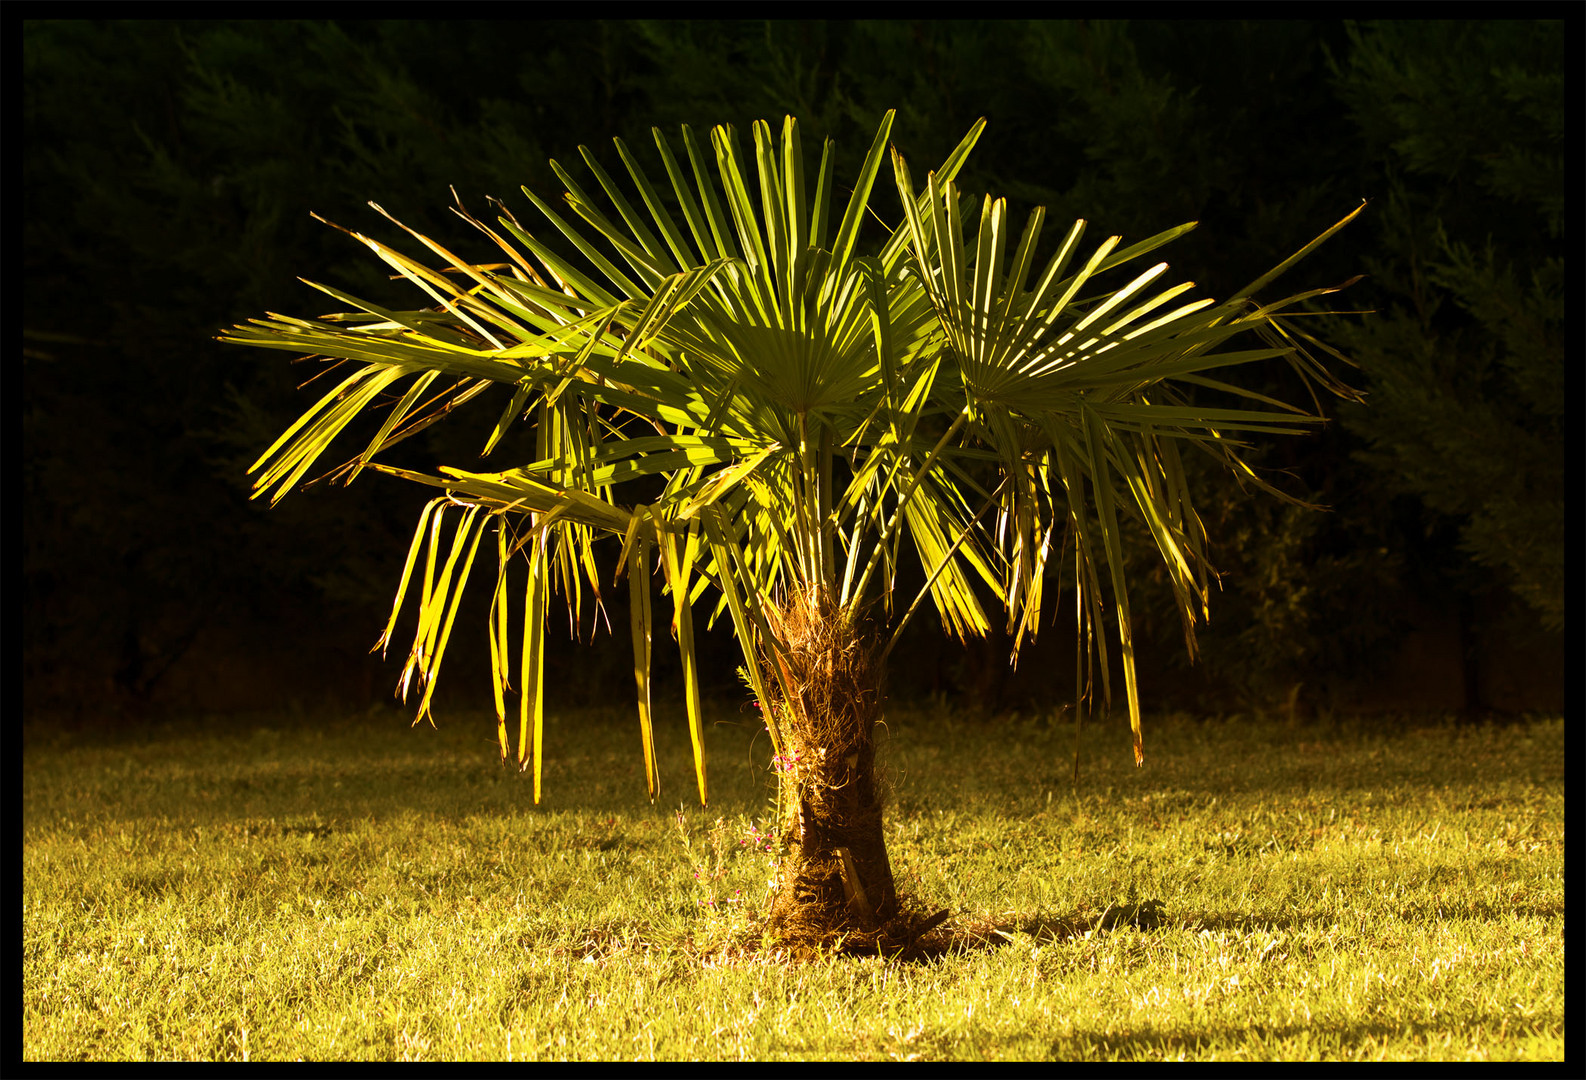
836, 878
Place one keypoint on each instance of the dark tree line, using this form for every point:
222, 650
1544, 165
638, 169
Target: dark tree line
171, 168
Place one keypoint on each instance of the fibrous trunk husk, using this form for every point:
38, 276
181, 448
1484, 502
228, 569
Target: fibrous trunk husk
836, 880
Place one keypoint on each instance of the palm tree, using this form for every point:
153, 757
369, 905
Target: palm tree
793, 410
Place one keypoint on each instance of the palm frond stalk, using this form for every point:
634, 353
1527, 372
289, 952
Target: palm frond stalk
812, 417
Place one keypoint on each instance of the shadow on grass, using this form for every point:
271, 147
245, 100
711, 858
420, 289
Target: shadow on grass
1148, 915
1418, 914
1154, 1042
249, 771
918, 938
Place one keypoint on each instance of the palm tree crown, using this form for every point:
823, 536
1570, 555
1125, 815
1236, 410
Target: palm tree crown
792, 410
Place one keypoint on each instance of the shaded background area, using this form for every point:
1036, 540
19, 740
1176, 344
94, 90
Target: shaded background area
170, 169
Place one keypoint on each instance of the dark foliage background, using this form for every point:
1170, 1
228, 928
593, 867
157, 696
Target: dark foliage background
170, 168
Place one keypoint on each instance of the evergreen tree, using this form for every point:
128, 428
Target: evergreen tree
1466, 358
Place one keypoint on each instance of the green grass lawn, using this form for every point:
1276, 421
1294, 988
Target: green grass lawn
357, 889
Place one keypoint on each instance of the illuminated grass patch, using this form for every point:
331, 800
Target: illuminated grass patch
360, 891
